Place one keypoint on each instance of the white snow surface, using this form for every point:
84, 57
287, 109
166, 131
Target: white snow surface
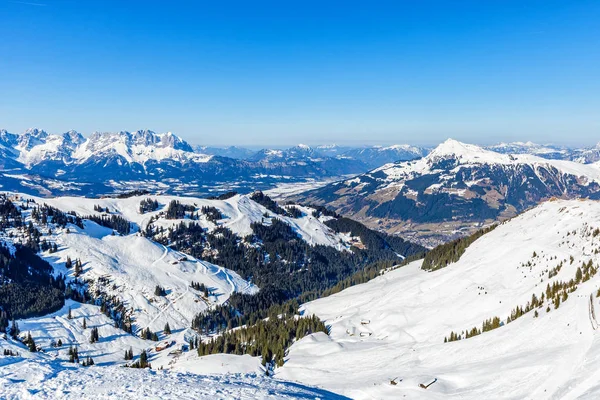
405, 314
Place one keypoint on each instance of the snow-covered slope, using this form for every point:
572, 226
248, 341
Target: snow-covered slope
393, 327
130, 267
33, 380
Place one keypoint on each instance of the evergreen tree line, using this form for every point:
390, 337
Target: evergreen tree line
114, 222
47, 214
451, 252
268, 203
99, 208
266, 338
176, 210
212, 213
224, 196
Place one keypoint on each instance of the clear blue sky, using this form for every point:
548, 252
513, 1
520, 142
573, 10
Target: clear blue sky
287, 71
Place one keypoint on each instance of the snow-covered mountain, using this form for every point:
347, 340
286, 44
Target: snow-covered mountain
456, 186
537, 273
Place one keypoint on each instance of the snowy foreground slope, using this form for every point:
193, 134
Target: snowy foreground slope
35, 380
393, 328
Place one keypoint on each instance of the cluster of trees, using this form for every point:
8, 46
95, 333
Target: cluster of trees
212, 213
148, 205
267, 338
9, 352
149, 335
322, 210
114, 222
176, 210
160, 291
30, 343
142, 362
294, 212
73, 354
99, 208
451, 252
201, 287
129, 354
132, 193
77, 264
87, 362
45, 214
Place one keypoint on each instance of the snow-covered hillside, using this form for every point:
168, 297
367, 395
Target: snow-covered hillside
239, 213
130, 267
388, 335
134, 280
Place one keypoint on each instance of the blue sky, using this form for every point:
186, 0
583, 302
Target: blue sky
283, 72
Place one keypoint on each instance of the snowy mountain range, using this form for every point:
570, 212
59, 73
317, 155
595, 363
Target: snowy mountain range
584, 155
455, 188
69, 163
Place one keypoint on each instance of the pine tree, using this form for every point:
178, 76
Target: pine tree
77, 268
31, 343
167, 330
143, 359
84, 323
69, 316
14, 329
94, 336
159, 291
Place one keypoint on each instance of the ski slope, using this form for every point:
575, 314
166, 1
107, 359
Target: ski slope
393, 327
